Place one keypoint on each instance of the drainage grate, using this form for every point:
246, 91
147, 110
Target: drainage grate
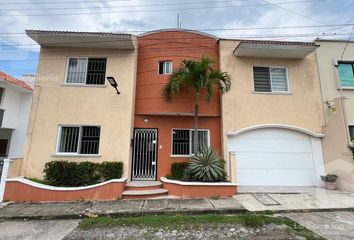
265, 199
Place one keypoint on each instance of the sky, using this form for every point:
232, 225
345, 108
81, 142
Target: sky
294, 20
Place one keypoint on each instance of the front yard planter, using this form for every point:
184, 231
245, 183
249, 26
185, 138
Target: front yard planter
24, 190
199, 189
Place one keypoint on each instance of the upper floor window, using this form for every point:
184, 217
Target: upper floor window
183, 141
270, 79
79, 139
165, 67
346, 74
89, 71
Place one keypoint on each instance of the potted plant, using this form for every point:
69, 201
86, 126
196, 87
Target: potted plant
330, 181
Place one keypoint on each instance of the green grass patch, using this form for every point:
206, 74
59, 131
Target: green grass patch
183, 221
247, 219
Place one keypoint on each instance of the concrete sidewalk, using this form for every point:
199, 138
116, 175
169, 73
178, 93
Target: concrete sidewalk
316, 200
72, 210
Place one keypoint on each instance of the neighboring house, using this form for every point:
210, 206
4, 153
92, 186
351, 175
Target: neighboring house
272, 117
336, 69
75, 114
15, 105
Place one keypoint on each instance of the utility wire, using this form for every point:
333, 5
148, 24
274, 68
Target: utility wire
159, 10
293, 12
209, 29
346, 44
123, 6
61, 2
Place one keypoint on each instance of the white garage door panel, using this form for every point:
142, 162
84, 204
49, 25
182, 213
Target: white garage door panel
274, 157
266, 178
272, 145
271, 160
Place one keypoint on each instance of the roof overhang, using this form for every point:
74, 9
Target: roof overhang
82, 39
273, 49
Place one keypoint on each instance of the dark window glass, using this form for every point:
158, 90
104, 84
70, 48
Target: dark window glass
261, 79
69, 138
180, 142
96, 71
161, 67
90, 140
3, 147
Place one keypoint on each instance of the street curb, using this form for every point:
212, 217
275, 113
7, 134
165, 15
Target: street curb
123, 214
89, 214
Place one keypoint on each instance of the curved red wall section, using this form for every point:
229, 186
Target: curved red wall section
171, 46
165, 115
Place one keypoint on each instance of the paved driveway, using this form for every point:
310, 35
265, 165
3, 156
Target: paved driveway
36, 230
330, 225
315, 199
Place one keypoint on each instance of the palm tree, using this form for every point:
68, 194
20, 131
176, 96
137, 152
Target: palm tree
198, 75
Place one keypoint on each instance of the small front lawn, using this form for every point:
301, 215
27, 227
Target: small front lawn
243, 225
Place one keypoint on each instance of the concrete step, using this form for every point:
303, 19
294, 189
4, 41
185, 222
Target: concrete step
134, 194
143, 185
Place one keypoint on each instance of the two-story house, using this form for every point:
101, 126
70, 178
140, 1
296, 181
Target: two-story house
336, 68
268, 127
15, 105
272, 118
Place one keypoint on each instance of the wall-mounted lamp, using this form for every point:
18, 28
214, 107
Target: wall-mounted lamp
331, 105
146, 120
113, 83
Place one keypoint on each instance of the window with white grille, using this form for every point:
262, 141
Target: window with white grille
86, 71
165, 67
270, 79
79, 139
183, 141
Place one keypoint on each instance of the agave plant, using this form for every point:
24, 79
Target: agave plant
207, 166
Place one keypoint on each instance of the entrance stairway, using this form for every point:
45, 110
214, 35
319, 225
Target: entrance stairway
144, 189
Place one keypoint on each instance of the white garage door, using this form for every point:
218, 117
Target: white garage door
274, 157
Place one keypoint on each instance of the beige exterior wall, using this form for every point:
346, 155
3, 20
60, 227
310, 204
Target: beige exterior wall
55, 103
337, 156
243, 108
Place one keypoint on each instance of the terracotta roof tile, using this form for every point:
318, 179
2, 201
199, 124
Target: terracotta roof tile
14, 81
278, 43
29, 31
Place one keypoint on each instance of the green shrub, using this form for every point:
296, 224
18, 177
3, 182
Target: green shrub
111, 170
207, 166
178, 171
71, 174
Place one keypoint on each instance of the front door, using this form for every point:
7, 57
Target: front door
144, 154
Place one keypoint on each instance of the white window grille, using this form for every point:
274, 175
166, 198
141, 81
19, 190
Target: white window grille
79, 139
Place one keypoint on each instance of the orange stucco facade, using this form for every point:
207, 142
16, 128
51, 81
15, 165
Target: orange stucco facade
165, 115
